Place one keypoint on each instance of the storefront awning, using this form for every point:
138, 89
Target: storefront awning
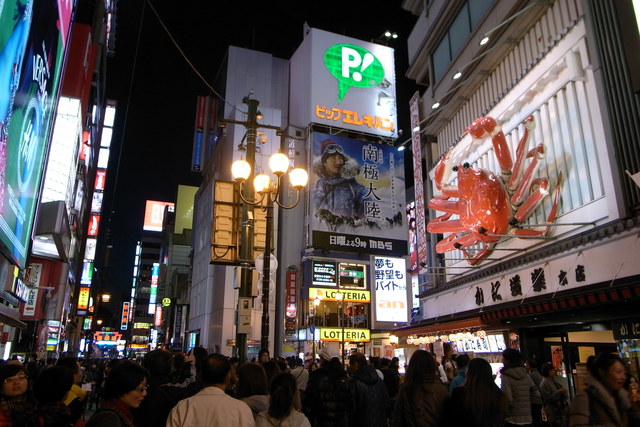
432, 328
10, 317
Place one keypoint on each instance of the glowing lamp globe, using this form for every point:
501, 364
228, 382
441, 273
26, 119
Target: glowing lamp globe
261, 183
279, 163
298, 178
240, 170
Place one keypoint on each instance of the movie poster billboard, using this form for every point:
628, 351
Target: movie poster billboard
357, 196
33, 35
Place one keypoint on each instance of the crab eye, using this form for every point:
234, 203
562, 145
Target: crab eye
455, 168
465, 165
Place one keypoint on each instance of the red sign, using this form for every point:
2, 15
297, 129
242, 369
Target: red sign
94, 223
158, 317
154, 214
101, 336
101, 177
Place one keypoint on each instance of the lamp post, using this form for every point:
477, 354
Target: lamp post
268, 194
340, 298
316, 303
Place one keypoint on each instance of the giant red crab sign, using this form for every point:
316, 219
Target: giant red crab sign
489, 207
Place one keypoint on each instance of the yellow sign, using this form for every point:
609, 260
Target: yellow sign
349, 295
83, 298
166, 302
350, 335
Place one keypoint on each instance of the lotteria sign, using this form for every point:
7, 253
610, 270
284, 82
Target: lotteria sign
348, 295
352, 84
345, 334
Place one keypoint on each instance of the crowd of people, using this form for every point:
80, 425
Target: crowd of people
201, 389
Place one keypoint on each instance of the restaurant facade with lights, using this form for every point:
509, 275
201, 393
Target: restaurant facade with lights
562, 73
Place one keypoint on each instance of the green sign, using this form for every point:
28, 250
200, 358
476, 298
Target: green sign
352, 66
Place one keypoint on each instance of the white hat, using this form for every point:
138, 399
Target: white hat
329, 351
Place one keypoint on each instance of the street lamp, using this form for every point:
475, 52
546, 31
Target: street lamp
340, 298
268, 193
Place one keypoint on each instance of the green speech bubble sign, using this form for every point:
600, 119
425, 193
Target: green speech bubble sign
352, 66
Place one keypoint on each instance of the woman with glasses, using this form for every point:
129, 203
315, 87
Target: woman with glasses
125, 387
337, 196
16, 403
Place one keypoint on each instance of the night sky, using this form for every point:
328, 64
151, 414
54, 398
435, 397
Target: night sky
156, 90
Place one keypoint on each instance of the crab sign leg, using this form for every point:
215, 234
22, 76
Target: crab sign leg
539, 189
529, 124
452, 241
479, 255
537, 153
487, 126
550, 218
443, 170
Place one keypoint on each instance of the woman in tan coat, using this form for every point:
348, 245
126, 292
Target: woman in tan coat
604, 401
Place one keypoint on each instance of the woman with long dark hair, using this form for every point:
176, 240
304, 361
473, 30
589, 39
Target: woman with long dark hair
603, 401
281, 410
252, 387
420, 400
478, 402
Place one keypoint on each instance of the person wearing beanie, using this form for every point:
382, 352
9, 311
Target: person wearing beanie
337, 196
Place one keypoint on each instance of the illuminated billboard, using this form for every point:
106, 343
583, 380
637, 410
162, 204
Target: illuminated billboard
153, 293
357, 196
33, 36
154, 214
351, 83
184, 208
390, 290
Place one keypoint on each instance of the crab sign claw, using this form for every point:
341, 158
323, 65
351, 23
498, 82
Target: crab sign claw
443, 170
484, 127
532, 202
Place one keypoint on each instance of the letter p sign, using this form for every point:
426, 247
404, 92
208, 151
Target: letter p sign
352, 66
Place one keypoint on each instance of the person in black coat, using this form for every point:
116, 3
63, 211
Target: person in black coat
161, 396
371, 403
326, 400
50, 390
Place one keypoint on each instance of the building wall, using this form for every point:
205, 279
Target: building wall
213, 299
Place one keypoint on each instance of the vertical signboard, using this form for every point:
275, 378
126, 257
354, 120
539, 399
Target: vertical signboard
124, 319
418, 184
391, 290
153, 293
83, 298
33, 36
357, 196
291, 301
32, 309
